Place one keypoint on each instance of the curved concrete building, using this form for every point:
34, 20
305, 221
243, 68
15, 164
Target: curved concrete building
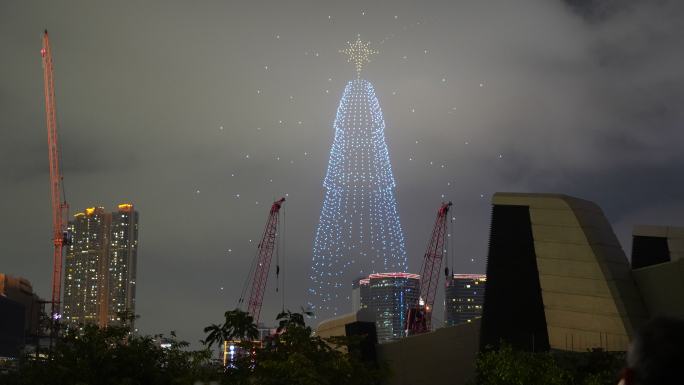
557, 277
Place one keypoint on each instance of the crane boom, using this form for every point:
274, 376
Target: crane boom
419, 317
263, 262
59, 205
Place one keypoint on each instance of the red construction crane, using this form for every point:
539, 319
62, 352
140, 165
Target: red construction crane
419, 317
263, 262
60, 207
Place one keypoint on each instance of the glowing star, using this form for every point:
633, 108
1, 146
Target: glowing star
359, 53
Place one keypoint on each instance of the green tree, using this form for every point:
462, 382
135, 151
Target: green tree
237, 325
113, 355
507, 366
295, 356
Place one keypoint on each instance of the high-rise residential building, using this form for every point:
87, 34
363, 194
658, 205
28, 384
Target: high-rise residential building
100, 266
123, 258
388, 296
463, 298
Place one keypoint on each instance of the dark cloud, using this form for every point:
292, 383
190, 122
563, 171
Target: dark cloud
579, 97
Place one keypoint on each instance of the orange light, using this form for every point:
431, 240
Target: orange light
79, 215
125, 207
90, 210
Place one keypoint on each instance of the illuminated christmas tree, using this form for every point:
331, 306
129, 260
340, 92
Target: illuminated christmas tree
359, 232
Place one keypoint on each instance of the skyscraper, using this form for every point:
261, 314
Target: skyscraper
389, 296
123, 258
359, 231
463, 298
100, 266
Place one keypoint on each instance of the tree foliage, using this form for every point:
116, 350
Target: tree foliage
113, 355
296, 356
507, 366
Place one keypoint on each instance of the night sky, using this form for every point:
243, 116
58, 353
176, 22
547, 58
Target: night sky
202, 113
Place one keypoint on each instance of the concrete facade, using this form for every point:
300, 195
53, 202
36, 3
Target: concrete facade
443, 357
662, 287
590, 299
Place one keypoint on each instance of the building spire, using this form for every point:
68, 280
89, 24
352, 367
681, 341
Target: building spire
359, 53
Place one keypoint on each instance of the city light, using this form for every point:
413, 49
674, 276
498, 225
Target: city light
359, 231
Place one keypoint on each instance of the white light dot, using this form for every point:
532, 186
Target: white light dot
363, 13
237, 196
197, 192
221, 128
396, 17
425, 52
258, 91
247, 156
481, 84
443, 80
266, 68
277, 36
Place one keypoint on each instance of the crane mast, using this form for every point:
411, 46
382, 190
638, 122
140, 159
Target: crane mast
263, 262
59, 205
419, 318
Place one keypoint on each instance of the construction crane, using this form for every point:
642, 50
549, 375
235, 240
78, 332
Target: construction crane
60, 207
262, 262
419, 317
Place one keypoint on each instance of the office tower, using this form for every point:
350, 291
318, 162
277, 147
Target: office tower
463, 298
388, 296
358, 285
100, 266
20, 311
